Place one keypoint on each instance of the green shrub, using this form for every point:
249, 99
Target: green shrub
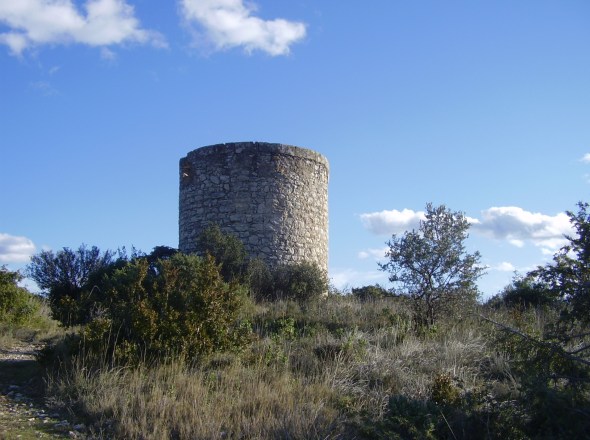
64, 276
524, 292
444, 392
179, 306
368, 293
227, 250
17, 305
299, 281
260, 279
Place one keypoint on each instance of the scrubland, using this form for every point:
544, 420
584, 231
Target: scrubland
336, 367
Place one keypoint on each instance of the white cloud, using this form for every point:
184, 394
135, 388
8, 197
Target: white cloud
14, 249
509, 223
586, 158
230, 23
392, 222
516, 242
518, 226
377, 254
105, 22
504, 266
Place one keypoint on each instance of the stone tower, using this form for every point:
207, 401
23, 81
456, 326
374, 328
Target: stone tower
273, 197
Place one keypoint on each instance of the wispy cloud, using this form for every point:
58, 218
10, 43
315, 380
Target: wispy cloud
34, 23
15, 249
230, 23
585, 158
107, 54
44, 88
347, 278
377, 254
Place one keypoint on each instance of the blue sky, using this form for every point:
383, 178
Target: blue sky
482, 106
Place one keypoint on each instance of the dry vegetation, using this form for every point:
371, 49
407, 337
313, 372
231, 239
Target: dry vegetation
327, 370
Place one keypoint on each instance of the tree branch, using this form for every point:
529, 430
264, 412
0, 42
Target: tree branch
554, 347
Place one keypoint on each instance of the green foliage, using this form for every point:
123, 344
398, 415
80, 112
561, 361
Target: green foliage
179, 306
444, 392
405, 419
368, 293
227, 250
64, 275
432, 266
299, 281
554, 384
552, 364
525, 292
17, 305
568, 277
260, 279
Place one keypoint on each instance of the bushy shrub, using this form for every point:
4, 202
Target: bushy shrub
298, 281
524, 292
17, 305
260, 279
227, 250
373, 292
179, 306
64, 276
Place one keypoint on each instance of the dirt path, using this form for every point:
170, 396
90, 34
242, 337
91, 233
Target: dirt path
24, 413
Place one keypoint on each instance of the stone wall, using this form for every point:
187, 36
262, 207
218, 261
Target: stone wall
273, 197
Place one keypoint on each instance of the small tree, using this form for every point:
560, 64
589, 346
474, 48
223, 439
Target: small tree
431, 265
569, 275
63, 276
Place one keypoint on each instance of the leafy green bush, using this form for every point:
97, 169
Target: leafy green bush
299, 281
260, 279
227, 250
367, 293
524, 292
17, 305
179, 306
444, 392
64, 277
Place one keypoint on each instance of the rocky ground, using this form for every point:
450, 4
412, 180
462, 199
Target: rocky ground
24, 412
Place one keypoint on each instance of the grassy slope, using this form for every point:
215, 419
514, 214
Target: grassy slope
325, 371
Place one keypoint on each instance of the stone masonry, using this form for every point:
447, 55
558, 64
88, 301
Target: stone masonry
273, 197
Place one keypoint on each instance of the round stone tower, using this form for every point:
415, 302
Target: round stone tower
273, 197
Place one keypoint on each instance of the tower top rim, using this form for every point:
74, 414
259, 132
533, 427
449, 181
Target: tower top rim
257, 147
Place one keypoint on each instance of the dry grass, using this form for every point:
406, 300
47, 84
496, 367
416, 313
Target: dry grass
305, 378
174, 401
40, 327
